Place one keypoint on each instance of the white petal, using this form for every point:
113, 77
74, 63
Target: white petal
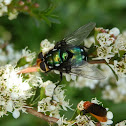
7, 2
114, 31
16, 113
68, 77
9, 106
73, 77
109, 115
109, 122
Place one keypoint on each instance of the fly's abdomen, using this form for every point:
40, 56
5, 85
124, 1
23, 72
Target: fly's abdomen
78, 55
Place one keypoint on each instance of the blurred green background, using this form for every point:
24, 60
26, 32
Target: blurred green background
27, 31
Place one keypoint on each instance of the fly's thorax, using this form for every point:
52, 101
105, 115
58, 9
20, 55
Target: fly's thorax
54, 58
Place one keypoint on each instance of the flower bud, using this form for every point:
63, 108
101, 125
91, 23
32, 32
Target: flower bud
21, 3
26, 8
36, 5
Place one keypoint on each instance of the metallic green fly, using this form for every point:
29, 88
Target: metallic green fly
68, 56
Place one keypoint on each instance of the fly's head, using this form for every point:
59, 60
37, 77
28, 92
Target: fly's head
41, 62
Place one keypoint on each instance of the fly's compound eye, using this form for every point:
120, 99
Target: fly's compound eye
40, 55
43, 66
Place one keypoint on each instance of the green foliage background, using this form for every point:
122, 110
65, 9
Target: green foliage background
27, 31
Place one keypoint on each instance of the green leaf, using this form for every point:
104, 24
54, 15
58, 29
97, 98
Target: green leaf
50, 9
74, 114
42, 93
122, 52
95, 35
21, 62
54, 20
35, 101
92, 49
46, 20
116, 76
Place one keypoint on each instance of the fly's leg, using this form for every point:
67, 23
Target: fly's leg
61, 77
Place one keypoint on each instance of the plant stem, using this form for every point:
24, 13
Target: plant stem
42, 116
96, 61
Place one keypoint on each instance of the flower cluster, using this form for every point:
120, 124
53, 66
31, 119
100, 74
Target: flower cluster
4, 9
54, 101
14, 91
111, 46
8, 54
12, 8
116, 93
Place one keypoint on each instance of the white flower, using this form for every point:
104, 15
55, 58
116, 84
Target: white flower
120, 68
28, 55
114, 31
13, 15
7, 2
62, 121
120, 43
104, 39
49, 89
4, 9
80, 106
104, 53
107, 73
14, 91
123, 123
46, 46
94, 100
16, 113
44, 105
44, 84
8, 55
53, 104
83, 120
84, 82
121, 86
59, 97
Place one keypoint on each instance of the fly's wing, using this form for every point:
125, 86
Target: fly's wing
87, 70
77, 37
97, 110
